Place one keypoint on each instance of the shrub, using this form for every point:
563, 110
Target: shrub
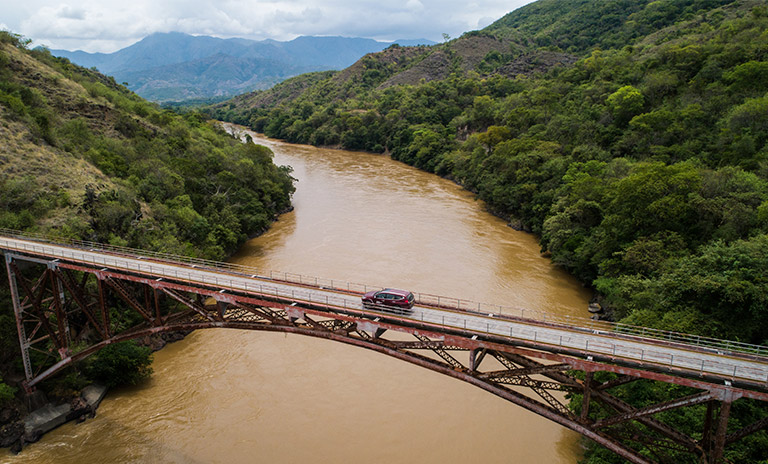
65, 387
6, 392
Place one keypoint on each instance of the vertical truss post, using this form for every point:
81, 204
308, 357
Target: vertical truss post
103, 306
158, 316
19, 313
587, 396
475, 358
722, 428
57, 290
706, 435
152, 303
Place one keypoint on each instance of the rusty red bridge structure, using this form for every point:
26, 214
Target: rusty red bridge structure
72, 298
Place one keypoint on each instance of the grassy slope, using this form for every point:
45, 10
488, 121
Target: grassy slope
22, 155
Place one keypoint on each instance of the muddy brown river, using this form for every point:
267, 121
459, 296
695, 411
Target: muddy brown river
227, 396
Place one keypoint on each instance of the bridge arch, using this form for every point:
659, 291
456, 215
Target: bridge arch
556, 410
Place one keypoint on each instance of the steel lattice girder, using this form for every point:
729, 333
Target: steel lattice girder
262, 313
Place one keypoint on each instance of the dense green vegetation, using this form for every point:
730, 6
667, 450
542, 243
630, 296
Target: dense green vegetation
82, 157
124, 363
581, 25
643, 166
6, 392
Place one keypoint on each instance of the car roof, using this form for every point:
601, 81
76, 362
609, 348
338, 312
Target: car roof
397, 291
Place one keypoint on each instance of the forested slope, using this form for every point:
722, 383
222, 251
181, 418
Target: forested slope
631, 136
82, 157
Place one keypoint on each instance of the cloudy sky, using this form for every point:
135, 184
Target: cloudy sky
108, 25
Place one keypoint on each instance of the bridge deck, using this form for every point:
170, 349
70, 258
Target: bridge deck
619, 348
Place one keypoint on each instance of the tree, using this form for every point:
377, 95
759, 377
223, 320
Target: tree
625, 103
750, 77
494, 135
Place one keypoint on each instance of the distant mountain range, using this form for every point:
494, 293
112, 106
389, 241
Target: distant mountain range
175, 66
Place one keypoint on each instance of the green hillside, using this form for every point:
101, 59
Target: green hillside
82, 157
630, 136
87, 158
577, 26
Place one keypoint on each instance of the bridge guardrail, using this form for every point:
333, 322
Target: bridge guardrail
714, 344
717, 345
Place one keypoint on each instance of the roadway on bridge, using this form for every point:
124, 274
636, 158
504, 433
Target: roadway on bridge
635, 349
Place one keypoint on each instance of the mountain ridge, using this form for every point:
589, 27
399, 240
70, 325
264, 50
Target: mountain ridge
160, 66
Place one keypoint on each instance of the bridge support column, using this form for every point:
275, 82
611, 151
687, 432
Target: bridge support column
19, 313
152, 303
706, 435
587, 396
59, 300
475, 358
103, 305
221, 307
716, 456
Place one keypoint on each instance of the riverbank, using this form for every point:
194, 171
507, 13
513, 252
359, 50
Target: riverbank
19, 429
25, 423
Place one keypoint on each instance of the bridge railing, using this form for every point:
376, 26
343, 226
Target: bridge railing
197, 262
593, 325
584, 324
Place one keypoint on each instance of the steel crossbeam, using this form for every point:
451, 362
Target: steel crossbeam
441, 352
674, 404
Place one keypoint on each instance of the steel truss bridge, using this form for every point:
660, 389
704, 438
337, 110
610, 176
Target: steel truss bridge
65, 294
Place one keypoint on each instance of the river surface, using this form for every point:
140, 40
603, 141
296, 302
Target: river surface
228, 396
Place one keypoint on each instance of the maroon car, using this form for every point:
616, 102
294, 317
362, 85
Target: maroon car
389, 299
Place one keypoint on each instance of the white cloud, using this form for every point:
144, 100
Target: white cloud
414, 5
303, 18
485, 21
50, 23
68, 12
106, 25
